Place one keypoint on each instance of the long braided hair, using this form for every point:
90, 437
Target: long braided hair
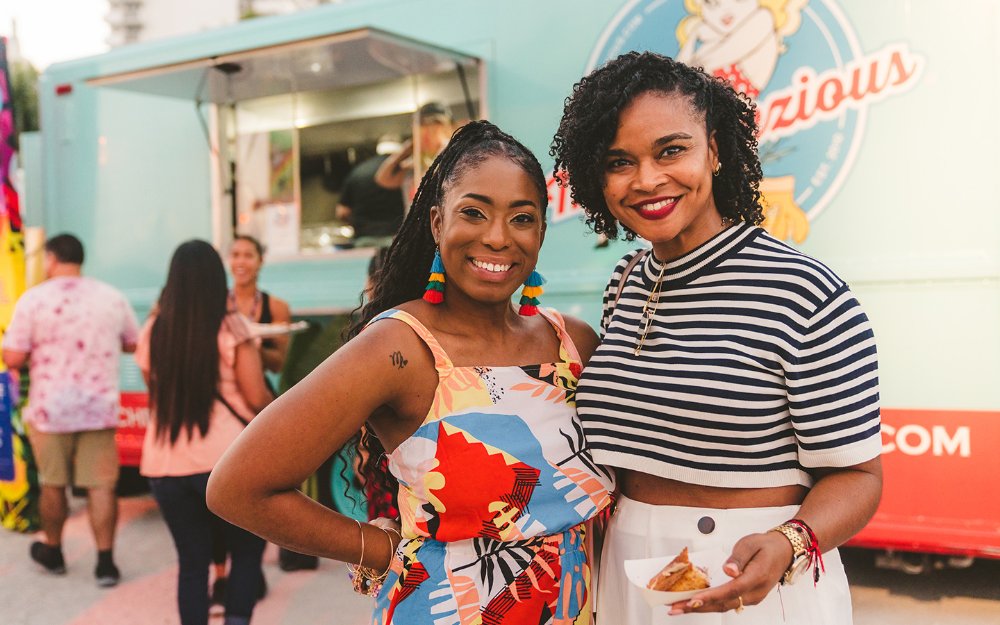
590, 121
403, 273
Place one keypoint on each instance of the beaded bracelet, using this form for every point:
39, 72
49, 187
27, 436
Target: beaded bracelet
364, 579
815, 555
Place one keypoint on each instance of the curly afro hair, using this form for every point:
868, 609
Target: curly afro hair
590, 121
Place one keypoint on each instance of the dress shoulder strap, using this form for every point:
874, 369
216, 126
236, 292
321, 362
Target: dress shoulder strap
442, 363
566, 344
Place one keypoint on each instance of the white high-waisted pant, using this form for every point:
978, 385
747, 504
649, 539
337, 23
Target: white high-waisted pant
638, 530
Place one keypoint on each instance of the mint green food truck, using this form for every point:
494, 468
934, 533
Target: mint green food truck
877, 126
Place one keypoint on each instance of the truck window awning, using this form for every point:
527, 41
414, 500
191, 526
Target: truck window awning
347, 59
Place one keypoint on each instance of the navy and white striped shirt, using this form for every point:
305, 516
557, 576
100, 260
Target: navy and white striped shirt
758, 364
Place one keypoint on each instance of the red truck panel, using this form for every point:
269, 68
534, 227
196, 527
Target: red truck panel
941, 473
132, 420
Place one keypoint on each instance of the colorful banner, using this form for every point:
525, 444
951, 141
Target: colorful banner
19, 491
7, 471
11, 235
18, 482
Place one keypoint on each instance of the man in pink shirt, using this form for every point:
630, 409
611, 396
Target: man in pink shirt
70, 331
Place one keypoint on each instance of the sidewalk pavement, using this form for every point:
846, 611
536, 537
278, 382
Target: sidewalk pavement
147, 592
146, 595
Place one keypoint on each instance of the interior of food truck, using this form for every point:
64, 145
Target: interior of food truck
286, 124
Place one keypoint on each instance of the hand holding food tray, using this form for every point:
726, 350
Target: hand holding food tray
685, 574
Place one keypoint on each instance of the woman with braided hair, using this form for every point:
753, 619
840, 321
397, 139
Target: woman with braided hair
735, 389
472, 404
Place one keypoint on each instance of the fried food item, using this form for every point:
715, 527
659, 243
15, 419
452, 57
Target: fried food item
680, 575
694, 578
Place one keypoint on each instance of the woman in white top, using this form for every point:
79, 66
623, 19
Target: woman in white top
736, 386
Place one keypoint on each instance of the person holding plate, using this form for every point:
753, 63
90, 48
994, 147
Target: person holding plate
736, 386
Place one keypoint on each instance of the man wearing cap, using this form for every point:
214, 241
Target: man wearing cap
435, 128
373, 211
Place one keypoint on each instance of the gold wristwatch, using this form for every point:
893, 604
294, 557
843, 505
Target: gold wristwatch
800, 552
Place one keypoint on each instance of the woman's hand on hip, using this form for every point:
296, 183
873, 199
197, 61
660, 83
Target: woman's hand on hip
756, 565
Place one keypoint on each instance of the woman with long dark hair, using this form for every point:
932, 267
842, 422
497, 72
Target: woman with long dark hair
471, 402
736, 387
206, 381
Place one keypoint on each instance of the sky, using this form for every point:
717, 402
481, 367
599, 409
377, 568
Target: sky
56, 30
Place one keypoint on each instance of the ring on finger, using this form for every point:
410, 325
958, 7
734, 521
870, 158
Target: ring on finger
740, 607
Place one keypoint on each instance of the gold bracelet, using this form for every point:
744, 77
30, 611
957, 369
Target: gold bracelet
391, 553
362, 530
801, 556
364, 579
392, 529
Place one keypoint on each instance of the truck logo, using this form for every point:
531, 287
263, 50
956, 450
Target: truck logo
133, 411
916, 440
801, 62
133, 417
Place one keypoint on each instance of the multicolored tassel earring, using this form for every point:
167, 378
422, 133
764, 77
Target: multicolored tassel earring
435, 284
529, 295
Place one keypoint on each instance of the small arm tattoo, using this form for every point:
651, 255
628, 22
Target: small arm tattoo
397, 359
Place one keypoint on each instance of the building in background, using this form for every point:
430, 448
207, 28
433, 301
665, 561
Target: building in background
132, 21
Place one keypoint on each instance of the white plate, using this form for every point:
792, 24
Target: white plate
639, 572
268, 330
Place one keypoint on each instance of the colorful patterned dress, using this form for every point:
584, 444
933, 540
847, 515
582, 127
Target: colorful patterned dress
494, 487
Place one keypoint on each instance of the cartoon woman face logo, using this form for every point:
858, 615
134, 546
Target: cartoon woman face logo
725, 15
740, 41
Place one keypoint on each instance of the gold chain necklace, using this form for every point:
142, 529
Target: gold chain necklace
649, 308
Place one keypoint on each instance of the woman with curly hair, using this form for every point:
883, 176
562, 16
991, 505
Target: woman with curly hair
472, 403
736, 386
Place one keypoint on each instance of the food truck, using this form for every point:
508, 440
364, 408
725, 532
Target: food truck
877, 121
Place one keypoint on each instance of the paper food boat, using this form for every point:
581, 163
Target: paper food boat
639, 572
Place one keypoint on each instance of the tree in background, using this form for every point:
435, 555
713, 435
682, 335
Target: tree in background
24, 94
